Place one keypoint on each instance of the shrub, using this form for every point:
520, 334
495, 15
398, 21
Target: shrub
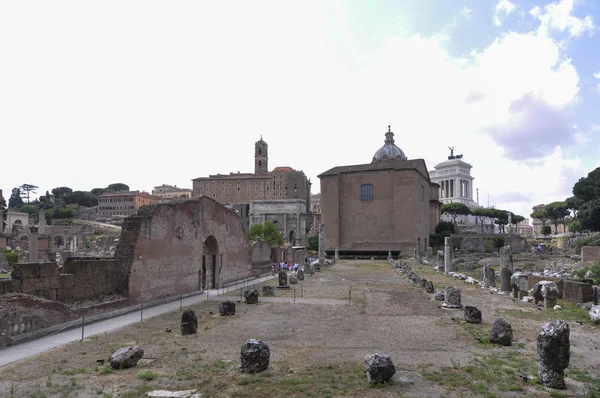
313, 242
499, 241
594, 273
546, 230
436, 240
11, 257
445, 228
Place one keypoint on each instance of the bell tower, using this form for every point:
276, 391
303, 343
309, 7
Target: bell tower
261, 157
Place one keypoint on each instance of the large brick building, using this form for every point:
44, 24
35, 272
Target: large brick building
124, 203
271, 188
388, 204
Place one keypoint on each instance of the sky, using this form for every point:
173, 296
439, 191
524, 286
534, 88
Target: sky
154, 92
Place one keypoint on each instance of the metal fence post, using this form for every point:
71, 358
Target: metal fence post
349, 295
82, 327
301, 291
180, 301
141, 312
294, 295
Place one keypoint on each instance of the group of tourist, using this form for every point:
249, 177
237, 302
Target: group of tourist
283, 266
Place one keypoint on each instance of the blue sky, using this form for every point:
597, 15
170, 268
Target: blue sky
150, 93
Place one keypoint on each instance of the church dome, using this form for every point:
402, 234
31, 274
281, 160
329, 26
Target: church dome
389, 151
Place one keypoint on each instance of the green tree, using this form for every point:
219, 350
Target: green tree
541, 216
546, 230
97, 191
556, 212
500, 218
27, 190
313, 242
267, 231
15, 201
589, 215
575, 226
588, 188
445, 228
117, 187
82, 198
30, 209
455, 209
3, 209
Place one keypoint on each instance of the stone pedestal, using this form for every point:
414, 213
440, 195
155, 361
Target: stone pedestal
283, 280
447, 255
452, 298
33, 244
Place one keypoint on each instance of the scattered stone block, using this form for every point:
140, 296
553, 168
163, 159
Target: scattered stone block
452, 298
300, 275
293, 279
251, 296
595, 313
472, 314
227, 308
439, 296
268, 291
255, 356
554, 353
550, 293
189, 323
429, 288
126, 357
283, 278
380, 368
501, 333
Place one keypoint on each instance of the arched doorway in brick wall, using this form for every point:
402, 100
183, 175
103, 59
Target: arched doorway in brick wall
210, 267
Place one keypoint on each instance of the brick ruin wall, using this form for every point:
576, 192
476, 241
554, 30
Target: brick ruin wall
169, 248
590, 253
79, 279
261, 256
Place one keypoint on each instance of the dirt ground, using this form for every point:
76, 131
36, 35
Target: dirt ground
318, 345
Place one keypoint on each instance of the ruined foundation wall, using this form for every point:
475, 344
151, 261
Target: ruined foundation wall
261, 256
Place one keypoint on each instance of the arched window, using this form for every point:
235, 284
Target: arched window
259, 163
366, 192
259, 152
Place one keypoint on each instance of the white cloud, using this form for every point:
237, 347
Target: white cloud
502, 10
558, 17
597, 76
179, 92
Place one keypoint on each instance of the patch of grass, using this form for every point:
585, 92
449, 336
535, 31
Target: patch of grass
107, 370
485, 374
147, 375
75, 371
569, 312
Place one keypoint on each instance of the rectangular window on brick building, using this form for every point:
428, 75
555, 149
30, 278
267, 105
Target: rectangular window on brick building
366, 192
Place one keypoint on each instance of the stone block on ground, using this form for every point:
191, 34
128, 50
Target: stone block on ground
380, 368
189, 323
300, 275
472, 314
554, 353
429, 287
251, 296
227, 308
268, 291
283, 278
293, 279
452, 298
255, 356
439, 296
501, 333
126, 357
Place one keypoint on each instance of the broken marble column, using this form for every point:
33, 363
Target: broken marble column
501, 333
293, 279
489, 276
439, 296
472, 314
337, 255
189, 323
554, 353
255, 356
268, 291
452, 299
380, 368
251, 296
283, 279
321, 244
227, 308
125, 357
440, 261
550, 294
429, 288
506, 270
390, 258
520, 285
447, 255
536, 291
33, 244
429, 252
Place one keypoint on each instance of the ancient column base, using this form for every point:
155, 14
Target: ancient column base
447, 306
